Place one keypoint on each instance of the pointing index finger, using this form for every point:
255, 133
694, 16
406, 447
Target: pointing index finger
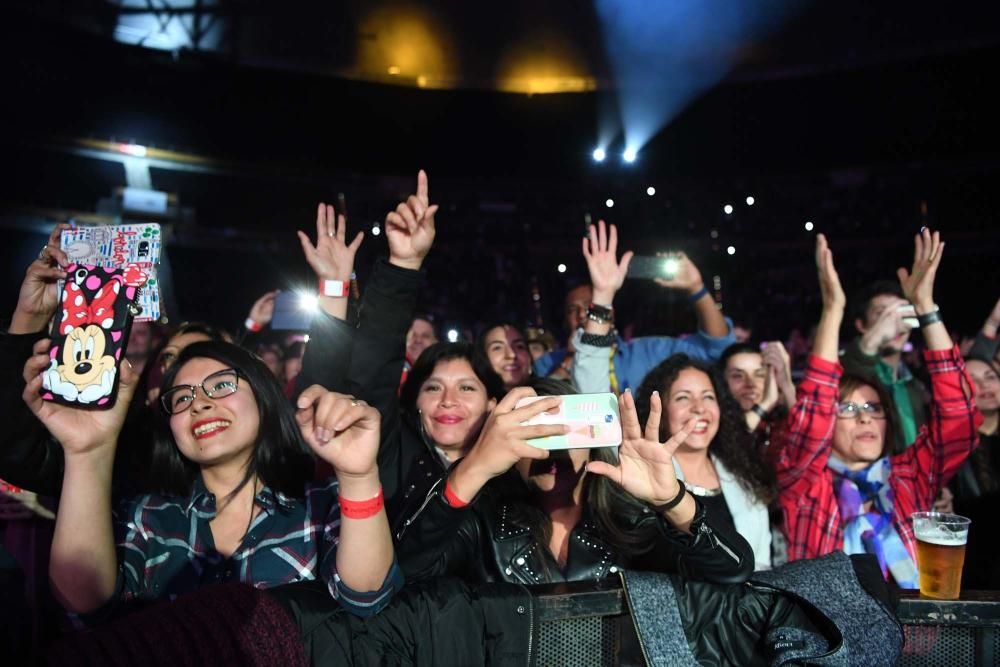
422, 192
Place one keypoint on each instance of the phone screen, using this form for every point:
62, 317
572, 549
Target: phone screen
593, 419
289, 315
651, 267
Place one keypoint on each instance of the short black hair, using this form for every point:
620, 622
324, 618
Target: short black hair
428, 361
280, 455
863, 297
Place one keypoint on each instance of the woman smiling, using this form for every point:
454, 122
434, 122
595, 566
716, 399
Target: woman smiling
235, 503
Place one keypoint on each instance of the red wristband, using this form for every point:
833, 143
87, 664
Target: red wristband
452, 498
335, 288
253, 326
362, 509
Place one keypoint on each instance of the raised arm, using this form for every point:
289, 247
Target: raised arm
805, 447
688, 280
985, 346
344, 432
331, 340
84, 565
951, 433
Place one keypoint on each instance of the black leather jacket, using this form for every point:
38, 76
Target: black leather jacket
485, 542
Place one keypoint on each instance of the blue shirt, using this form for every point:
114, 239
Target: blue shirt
165, 547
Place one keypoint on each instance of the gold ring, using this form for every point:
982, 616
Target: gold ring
43, 253
355, 402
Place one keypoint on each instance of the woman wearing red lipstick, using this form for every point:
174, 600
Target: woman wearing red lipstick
511, 512
234, 503
842, 487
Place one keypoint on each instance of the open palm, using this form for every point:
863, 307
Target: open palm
645, 468
332, 258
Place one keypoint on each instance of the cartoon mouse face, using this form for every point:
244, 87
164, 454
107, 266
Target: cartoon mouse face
83, 356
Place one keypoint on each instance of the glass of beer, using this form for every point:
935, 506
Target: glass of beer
940, 553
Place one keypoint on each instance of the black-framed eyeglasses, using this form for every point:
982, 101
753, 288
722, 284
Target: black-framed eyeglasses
850, 410
217, 385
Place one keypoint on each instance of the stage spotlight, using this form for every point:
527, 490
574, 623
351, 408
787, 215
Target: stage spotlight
561, 268
452, 335
609, 202
629, 155
599, 155
750, 201
376, 230
650, 191
731, 250
728, 209
809, 226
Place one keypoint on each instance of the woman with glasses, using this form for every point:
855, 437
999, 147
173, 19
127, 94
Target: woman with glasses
841, 485
235, 504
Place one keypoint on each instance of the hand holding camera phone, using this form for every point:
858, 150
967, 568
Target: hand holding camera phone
652, 267
909, 315
593, 419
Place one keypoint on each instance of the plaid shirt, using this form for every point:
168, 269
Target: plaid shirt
165, 547
806, 485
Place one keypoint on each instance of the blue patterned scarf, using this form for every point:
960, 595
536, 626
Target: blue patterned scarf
872, 532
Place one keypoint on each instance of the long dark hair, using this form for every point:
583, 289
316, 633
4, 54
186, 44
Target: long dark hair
481, 356
732, 444
279, 456
428, 361
616, 512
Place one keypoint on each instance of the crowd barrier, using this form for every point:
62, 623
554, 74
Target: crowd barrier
584, 624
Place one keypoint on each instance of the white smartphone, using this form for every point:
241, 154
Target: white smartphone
909, 315
593, 419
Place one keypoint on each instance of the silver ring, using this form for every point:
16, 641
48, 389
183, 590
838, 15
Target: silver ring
43, 253
329, 233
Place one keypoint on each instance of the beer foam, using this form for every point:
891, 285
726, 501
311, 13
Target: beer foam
942, 538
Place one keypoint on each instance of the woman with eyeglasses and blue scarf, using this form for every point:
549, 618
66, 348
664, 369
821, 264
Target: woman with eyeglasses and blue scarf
840, 484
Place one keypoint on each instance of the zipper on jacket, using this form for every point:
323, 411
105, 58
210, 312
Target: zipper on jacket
531, 622
423, 506
710, 535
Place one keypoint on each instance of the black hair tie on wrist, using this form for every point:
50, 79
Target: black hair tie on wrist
930, 318
666, 507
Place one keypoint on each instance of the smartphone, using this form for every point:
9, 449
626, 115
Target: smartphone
90, 333
651, 267
289, 313
593, 419
909, 315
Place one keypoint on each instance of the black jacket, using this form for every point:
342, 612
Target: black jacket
367, 362
487, 541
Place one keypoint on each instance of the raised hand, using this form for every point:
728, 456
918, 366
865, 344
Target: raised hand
829, 281
341, 430
78, 430
39, 296
918, 283
410, 229
645, 465
503, 441
992, 322
607, 274
332, 258
776, 358
889, 325
687, 277
262, 310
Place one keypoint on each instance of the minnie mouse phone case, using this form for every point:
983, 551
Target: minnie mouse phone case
90, 333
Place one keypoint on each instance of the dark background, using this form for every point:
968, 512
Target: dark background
869, 122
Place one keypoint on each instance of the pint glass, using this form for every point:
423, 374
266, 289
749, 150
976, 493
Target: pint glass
940, 553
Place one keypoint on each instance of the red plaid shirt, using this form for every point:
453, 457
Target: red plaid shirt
806, 485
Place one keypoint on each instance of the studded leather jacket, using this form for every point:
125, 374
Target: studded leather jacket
488, 542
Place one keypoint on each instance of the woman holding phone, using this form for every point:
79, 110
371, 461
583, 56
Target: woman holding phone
231, 465
510, 511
